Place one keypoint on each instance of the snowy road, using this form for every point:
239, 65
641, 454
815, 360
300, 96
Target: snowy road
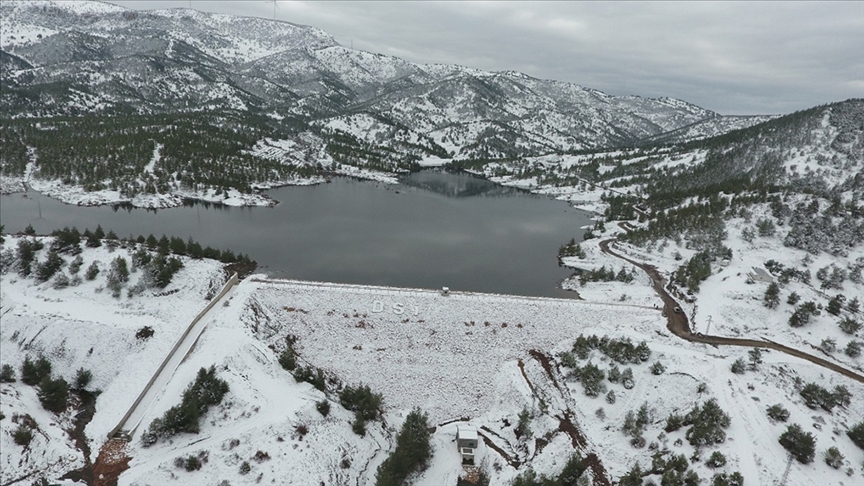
129, 424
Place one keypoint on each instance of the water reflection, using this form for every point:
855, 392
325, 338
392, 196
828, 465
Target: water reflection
434, 229
457, 184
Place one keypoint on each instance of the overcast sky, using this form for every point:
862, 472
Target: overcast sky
730, 57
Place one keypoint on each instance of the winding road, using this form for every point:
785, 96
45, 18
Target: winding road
679, 325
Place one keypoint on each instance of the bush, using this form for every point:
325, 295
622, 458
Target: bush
778, 413
313, 376
114, 284
716, 460
32, 373
841, 396
82, 378
205, 391
627, 379
412, 453
323, 407
53, 394
723, 479
22, 435
362, 401
793, 299
834, 458
610, 397
802, 445
61, 281
739, 367
145, 332
190, 463
657, 368
245, 467
7, 374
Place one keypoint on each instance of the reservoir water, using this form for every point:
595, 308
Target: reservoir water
434, 229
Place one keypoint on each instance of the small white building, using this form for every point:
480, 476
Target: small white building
467, 440
759, 275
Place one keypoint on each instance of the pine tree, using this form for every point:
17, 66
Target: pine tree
53, 394
856, 433
772, 296
709, 423
853, 349
120, 269
7, 374
412, 453
523, 428
835, 305
92, 271
33, 372
853, 305
849, 325
802, 445
50, 266
93, 241
82, 378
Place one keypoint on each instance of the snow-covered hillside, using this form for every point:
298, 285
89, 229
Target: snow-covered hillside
464, 358
100, 58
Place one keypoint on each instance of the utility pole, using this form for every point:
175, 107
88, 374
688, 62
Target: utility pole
786, 472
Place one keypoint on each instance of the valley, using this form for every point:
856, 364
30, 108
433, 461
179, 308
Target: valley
234, 251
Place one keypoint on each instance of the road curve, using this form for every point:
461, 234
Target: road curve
678, 324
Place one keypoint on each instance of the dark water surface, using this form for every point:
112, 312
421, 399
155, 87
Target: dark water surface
434, 229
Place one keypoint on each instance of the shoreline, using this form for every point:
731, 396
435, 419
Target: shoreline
77, 196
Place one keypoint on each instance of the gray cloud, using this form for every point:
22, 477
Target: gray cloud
731, 57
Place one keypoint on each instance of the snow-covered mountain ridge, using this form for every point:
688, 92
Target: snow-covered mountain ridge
83, 57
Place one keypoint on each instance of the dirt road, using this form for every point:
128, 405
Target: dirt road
678, 324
